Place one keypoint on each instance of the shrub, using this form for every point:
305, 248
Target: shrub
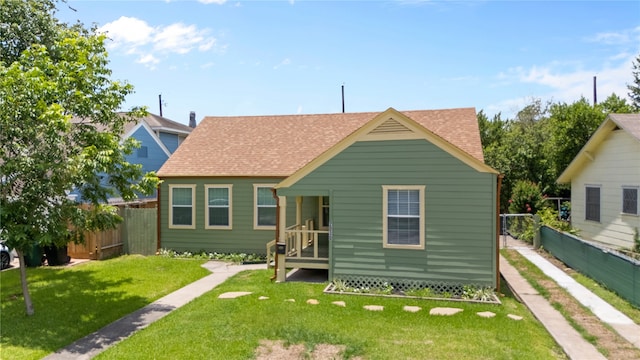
526, 198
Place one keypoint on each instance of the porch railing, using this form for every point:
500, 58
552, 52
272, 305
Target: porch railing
302, 243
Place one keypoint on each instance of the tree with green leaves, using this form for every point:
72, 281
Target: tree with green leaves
59, 131
634, 89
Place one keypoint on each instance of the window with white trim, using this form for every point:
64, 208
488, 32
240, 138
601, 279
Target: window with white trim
182, 211
264, 205
630, 200
218, 208
592, 203
403, 211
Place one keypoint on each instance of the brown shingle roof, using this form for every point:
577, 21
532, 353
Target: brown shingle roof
279, 145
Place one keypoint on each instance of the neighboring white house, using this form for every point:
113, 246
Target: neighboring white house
605, 183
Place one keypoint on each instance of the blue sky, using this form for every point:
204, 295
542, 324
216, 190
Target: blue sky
223, 58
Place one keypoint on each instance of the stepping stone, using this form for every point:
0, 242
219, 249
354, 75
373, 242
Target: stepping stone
313, 302
486, 314
233, 294
444, 311
514, 317
290, 300
339, 303
412, 308
374, 307
263, 298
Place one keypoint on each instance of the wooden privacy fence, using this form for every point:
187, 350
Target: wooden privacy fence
617, 272
140, 233
137, 234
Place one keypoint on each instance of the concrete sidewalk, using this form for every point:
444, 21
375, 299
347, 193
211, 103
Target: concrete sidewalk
573, 344
93, 344
621, 323
555, 323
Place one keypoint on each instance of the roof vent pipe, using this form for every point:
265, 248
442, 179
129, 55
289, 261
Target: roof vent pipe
192, 119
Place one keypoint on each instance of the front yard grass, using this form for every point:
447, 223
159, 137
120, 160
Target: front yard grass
212, 328
72, 302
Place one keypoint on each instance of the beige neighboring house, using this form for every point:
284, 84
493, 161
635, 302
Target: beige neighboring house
605, 183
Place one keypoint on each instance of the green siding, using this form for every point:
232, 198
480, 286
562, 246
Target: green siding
459, 213
242, 238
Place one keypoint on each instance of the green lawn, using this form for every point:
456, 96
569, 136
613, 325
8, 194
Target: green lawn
212, 328
71, 302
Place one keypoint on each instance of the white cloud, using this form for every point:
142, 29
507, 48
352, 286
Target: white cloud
136, 37
565, 82
219, 2
284, 62
181, 39
148, 59
616, 38
127, 31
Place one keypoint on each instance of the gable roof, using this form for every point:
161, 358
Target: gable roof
159, 123
254, 145
155, 122
630, 123
147, 128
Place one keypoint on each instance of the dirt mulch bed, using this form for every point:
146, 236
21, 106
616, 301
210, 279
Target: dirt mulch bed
276, 349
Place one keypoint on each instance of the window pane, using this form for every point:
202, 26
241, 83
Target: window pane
218, 216
403, 202
181, 196
218, 197
592, 208
265, 197
325, 216
181, 216
630, 201
403, 231
266, 216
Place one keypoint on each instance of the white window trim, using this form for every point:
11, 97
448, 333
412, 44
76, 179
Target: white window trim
630, 187
206, 206
320, 214
599, 202
255, 207
385, 204
193, 206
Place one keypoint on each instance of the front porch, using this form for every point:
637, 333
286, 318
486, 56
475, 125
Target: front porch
304, 248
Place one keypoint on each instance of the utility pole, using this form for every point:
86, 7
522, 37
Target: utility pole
160, 103
595, 92
343, 98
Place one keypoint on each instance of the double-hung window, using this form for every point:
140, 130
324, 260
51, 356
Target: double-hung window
182, 213
403, 217
218, 206
592, 203
630, 200
264, 207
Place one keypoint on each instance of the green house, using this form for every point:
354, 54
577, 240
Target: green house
397, 197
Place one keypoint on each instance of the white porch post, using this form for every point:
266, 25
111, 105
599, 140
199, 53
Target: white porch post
282, 217
299, 210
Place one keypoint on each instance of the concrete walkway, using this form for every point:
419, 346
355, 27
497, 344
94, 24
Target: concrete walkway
574, 345
93, 344
622, 324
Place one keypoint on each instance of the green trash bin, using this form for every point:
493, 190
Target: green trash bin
34, 257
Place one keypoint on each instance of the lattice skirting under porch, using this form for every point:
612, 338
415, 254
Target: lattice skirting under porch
402, 285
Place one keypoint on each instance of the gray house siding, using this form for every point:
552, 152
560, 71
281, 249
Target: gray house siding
242, 238
459, 213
